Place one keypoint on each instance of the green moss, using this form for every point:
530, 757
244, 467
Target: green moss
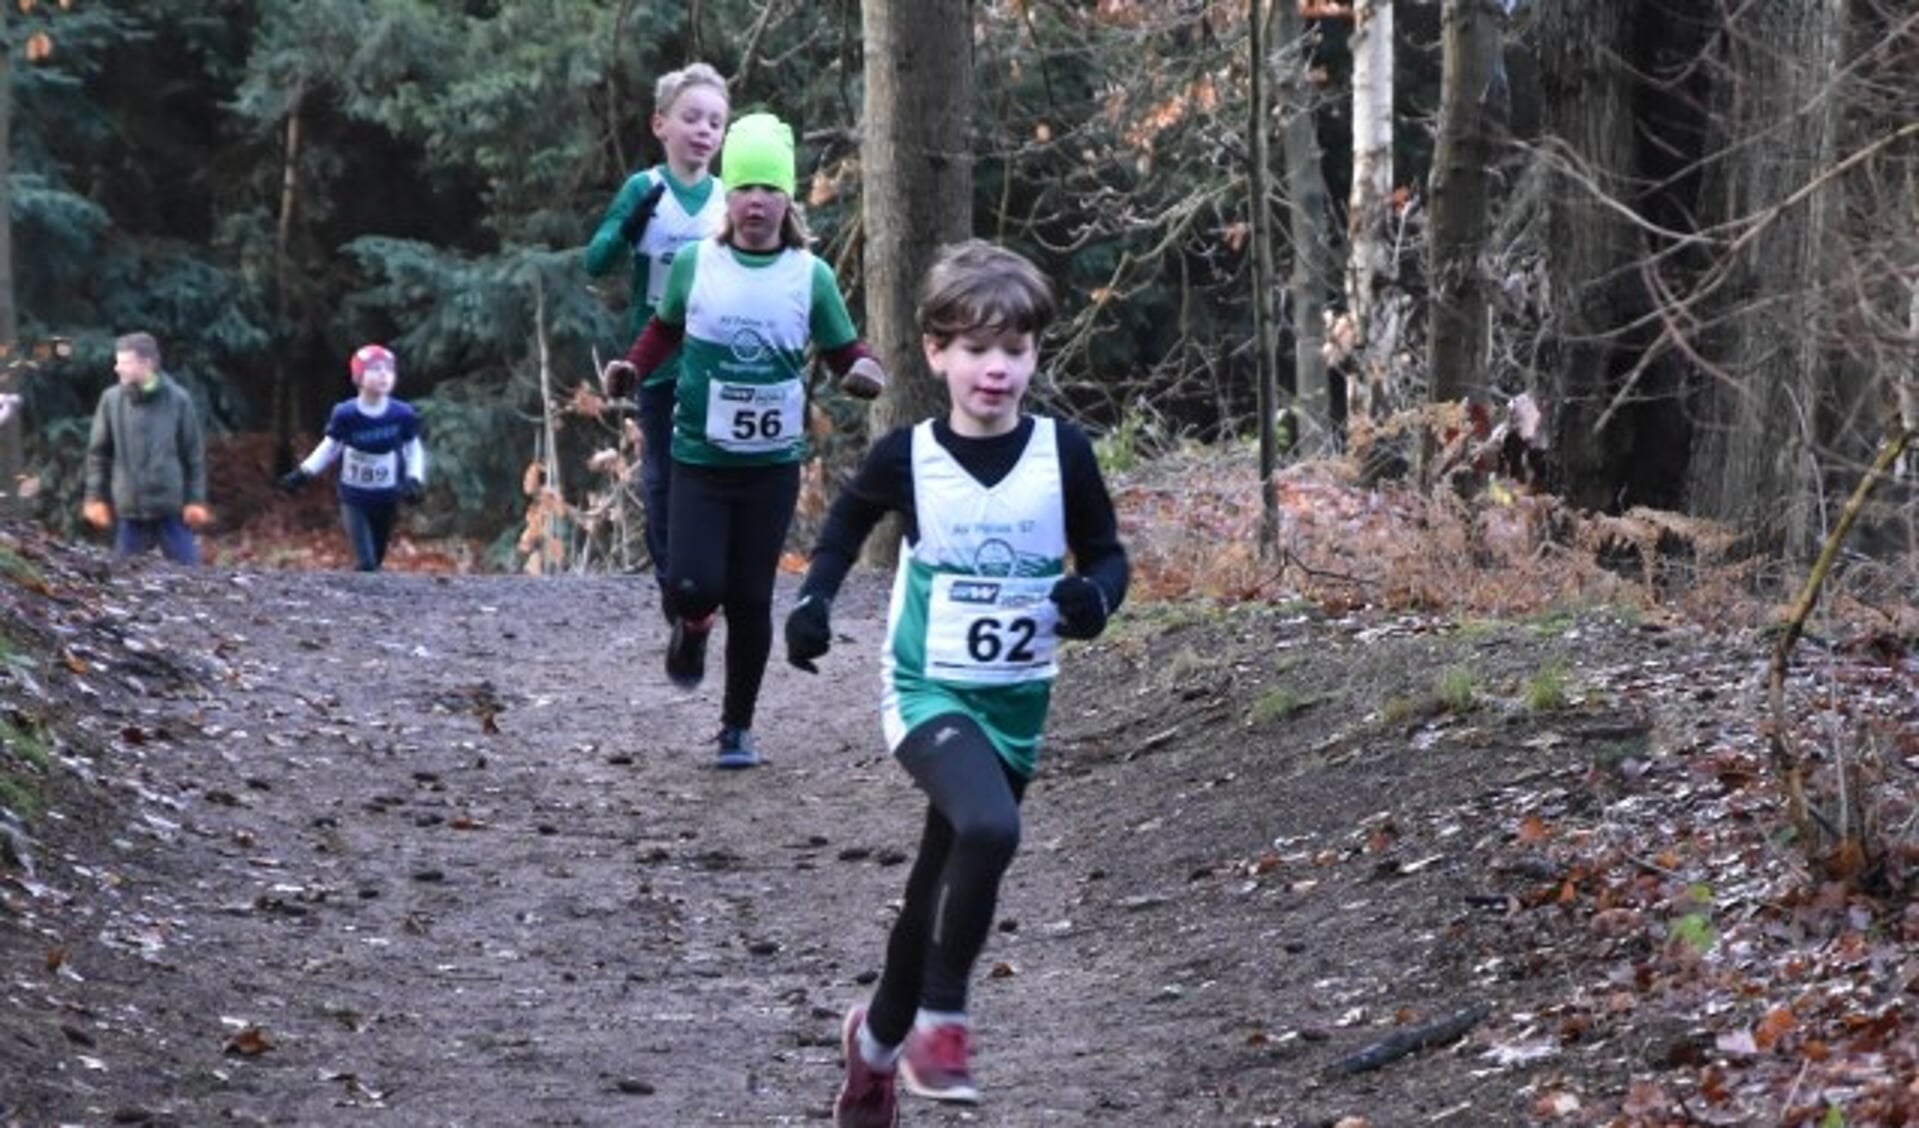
1276, 705
1546, 689
1185, 664
1399, 711
1456, 690
23, 742
1474, 629
1554, 622
15, 567
23, 761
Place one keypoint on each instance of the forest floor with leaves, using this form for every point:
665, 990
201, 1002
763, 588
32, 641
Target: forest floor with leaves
325, 848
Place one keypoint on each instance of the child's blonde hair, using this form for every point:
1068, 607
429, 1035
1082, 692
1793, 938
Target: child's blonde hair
975, 285
672, 84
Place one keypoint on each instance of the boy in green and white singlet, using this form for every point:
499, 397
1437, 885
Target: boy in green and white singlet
742, 309
658, 212
994, 503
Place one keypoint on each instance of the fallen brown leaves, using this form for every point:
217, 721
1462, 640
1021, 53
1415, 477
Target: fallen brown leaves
1786, 996
1786, 984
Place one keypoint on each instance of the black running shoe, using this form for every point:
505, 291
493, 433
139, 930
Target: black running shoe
686, 651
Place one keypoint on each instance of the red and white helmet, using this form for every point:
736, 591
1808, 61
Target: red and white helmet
371, 356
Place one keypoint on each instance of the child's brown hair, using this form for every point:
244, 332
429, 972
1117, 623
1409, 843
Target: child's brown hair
975, 285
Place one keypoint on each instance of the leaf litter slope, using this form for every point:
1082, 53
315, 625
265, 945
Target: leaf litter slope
449, 847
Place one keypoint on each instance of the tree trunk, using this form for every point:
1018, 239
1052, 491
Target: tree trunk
1587, 81
12, 431
1907, 377
917, 171
1468, 113
282, 276
1755, 461
1314, 261
1370, 263
1265, 334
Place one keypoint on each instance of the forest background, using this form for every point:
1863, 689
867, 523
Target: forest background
1680, 237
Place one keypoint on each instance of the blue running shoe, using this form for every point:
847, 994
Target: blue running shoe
737, 749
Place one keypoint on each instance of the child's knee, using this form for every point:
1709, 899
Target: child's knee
994, 836
689, 598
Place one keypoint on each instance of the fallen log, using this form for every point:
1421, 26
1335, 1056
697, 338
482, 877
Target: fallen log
1411, 1040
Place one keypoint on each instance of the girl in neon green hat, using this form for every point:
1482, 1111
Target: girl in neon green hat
742, 308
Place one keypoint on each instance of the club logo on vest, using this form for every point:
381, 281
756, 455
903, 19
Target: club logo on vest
994, 558
749, 347
976, 592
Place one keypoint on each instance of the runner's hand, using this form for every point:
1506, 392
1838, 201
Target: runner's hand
1082, 607
97, 513
809, 632
196, 516
292, 480
618, 379
412, 490
866, 379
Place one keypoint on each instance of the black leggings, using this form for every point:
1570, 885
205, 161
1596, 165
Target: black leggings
369, 525
726, 528
972, 831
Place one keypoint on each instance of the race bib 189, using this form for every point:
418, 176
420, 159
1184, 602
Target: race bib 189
991, 630
370, 471
755, 418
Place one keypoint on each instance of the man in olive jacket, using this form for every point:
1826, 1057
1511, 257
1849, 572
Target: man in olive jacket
146, 453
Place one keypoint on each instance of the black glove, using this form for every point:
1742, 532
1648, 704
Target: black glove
412, 490
636, 220
618, 379
1082, 607
292, 480
809, 632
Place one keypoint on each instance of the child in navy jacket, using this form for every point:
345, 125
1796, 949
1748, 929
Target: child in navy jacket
382, 462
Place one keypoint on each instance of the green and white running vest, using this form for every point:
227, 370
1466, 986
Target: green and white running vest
970, 628
742, 389
673, 227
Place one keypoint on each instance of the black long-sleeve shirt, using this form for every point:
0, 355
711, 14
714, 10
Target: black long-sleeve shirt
884, 483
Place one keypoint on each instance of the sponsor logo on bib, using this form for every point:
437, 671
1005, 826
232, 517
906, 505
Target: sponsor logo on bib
986, 593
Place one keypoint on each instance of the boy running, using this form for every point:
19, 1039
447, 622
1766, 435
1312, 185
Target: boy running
376, 436
993, 502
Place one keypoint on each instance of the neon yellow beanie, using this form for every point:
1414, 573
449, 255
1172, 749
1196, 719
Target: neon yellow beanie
758, 150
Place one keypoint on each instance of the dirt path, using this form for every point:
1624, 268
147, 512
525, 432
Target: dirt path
569, 920
448, 851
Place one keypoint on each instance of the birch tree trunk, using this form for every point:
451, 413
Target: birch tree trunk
1369, 262
917, 187
1315, 268
1460, 178
1265, 334
1909, 376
